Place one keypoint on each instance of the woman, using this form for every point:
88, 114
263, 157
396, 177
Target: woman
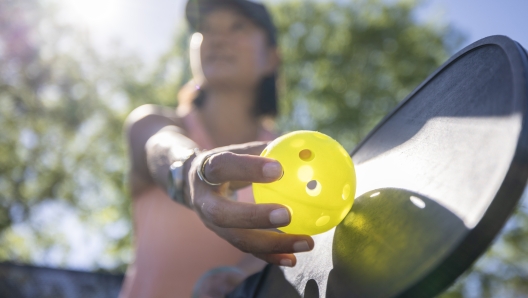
234, 61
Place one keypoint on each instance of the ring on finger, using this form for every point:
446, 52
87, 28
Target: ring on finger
201, 171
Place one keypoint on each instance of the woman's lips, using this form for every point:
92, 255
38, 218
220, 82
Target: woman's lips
220, 58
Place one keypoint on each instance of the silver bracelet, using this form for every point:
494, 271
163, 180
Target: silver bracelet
176, 180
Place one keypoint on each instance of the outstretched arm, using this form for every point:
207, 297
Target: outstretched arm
151, 132
244, 225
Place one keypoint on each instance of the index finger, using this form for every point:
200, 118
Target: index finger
228, 166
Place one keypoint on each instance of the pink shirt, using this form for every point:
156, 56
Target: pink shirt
197, 132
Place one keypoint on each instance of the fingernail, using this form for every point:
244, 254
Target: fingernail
272, 170
286, 262
300, 246
279, 217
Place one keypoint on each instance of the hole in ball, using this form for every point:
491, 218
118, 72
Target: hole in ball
346, 192
306, 155
312, 185
323, 220
305, 173
313, 188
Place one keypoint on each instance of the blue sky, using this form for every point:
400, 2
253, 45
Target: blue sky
478, 19
146, 27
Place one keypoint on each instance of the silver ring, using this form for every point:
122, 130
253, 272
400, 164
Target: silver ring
201, 170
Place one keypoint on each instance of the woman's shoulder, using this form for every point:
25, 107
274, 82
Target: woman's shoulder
149, 113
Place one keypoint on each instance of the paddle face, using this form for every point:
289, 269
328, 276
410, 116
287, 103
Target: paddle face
436, 181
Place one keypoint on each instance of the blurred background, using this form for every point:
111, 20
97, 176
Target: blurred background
70, 72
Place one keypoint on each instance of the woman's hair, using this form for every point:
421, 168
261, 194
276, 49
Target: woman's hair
265, 105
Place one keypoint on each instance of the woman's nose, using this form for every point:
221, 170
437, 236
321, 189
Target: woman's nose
219, 36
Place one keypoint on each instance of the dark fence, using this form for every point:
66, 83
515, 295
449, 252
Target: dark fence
32, 281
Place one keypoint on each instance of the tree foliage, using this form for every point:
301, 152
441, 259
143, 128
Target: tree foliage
62, 105
347, 64
61, 112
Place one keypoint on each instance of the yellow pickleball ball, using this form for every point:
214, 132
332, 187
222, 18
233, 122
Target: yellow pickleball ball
319, 182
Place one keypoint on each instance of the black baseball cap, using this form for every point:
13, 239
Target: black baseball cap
197, 9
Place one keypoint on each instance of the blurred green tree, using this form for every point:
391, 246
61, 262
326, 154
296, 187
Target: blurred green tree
61, 112
62, 104
63, 161
346, 64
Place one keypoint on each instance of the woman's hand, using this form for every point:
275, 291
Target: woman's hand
243, 224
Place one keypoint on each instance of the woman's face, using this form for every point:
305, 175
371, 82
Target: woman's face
234, 51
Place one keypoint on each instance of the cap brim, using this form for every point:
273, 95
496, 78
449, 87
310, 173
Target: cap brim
195, 11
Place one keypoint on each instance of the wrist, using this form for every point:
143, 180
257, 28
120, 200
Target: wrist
177, 187
186, 179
